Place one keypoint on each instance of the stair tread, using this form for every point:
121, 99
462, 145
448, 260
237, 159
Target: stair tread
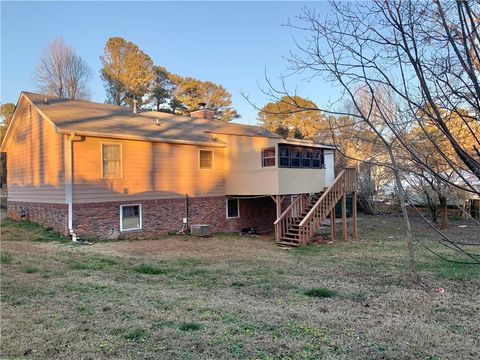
287, 243
291, 234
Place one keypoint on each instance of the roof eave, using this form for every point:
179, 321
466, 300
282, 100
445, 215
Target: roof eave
236, 134
307, 143
139, 138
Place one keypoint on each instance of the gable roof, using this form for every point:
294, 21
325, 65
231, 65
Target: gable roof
105, 120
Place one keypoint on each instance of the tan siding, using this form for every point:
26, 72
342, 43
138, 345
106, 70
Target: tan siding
244, 173
150, 171
246, 176
35, 160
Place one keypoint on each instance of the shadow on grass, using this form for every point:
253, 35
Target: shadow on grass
12, 230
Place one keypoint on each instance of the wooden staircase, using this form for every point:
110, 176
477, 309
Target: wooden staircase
304, 216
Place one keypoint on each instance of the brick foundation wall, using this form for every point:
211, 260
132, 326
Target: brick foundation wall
102, 220
48, 215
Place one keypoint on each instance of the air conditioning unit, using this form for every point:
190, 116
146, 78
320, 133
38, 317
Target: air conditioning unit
200, 230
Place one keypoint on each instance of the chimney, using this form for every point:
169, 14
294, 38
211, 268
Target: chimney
203, 112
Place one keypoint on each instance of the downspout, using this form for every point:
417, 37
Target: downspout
69, 183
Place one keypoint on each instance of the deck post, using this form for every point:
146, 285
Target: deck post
333, 225
354, 215
344, 216
278, 205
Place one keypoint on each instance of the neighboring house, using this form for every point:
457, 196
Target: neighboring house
99, 170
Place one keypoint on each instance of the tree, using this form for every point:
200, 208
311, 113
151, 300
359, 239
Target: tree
409, 59
61, 72
6, 112
280, 116
425, 53
188, 92
126, 71
161, 88
432, 189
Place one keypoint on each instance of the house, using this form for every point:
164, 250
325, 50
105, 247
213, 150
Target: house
98, 170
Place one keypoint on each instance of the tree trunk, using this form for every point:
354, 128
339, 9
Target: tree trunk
406, 219
434, 215
444, 210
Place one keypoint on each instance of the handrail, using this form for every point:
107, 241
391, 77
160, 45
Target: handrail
286, 210
324, 195
287, 222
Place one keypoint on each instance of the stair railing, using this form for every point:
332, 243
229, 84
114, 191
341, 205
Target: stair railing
345, 182
287, 218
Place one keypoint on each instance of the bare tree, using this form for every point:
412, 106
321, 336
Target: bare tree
398, 63
61, 72
425, 53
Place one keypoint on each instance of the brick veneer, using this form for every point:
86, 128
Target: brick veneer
161, 215
48, 215
102, 220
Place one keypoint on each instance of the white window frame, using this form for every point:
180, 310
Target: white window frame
121, 160
139, 213
213, 159
274, 157
238, 208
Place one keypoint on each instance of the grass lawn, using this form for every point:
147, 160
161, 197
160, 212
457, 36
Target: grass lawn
234, 296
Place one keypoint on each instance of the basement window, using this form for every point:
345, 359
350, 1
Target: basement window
205, 159
268, 157
130, 217
111, 160
233, 208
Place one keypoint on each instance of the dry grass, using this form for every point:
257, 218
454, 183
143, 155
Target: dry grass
234, 297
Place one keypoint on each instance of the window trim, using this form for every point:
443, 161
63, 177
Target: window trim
121, 159
238, 208
274, 157
213, 159
139, 213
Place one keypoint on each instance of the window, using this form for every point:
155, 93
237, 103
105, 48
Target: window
306, 158
206, 159
111, 160
233, 209
317, 159
284, 157
130, 217
294, 157
301, 157
268, 157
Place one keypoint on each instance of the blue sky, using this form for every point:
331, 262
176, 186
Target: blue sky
230, 43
